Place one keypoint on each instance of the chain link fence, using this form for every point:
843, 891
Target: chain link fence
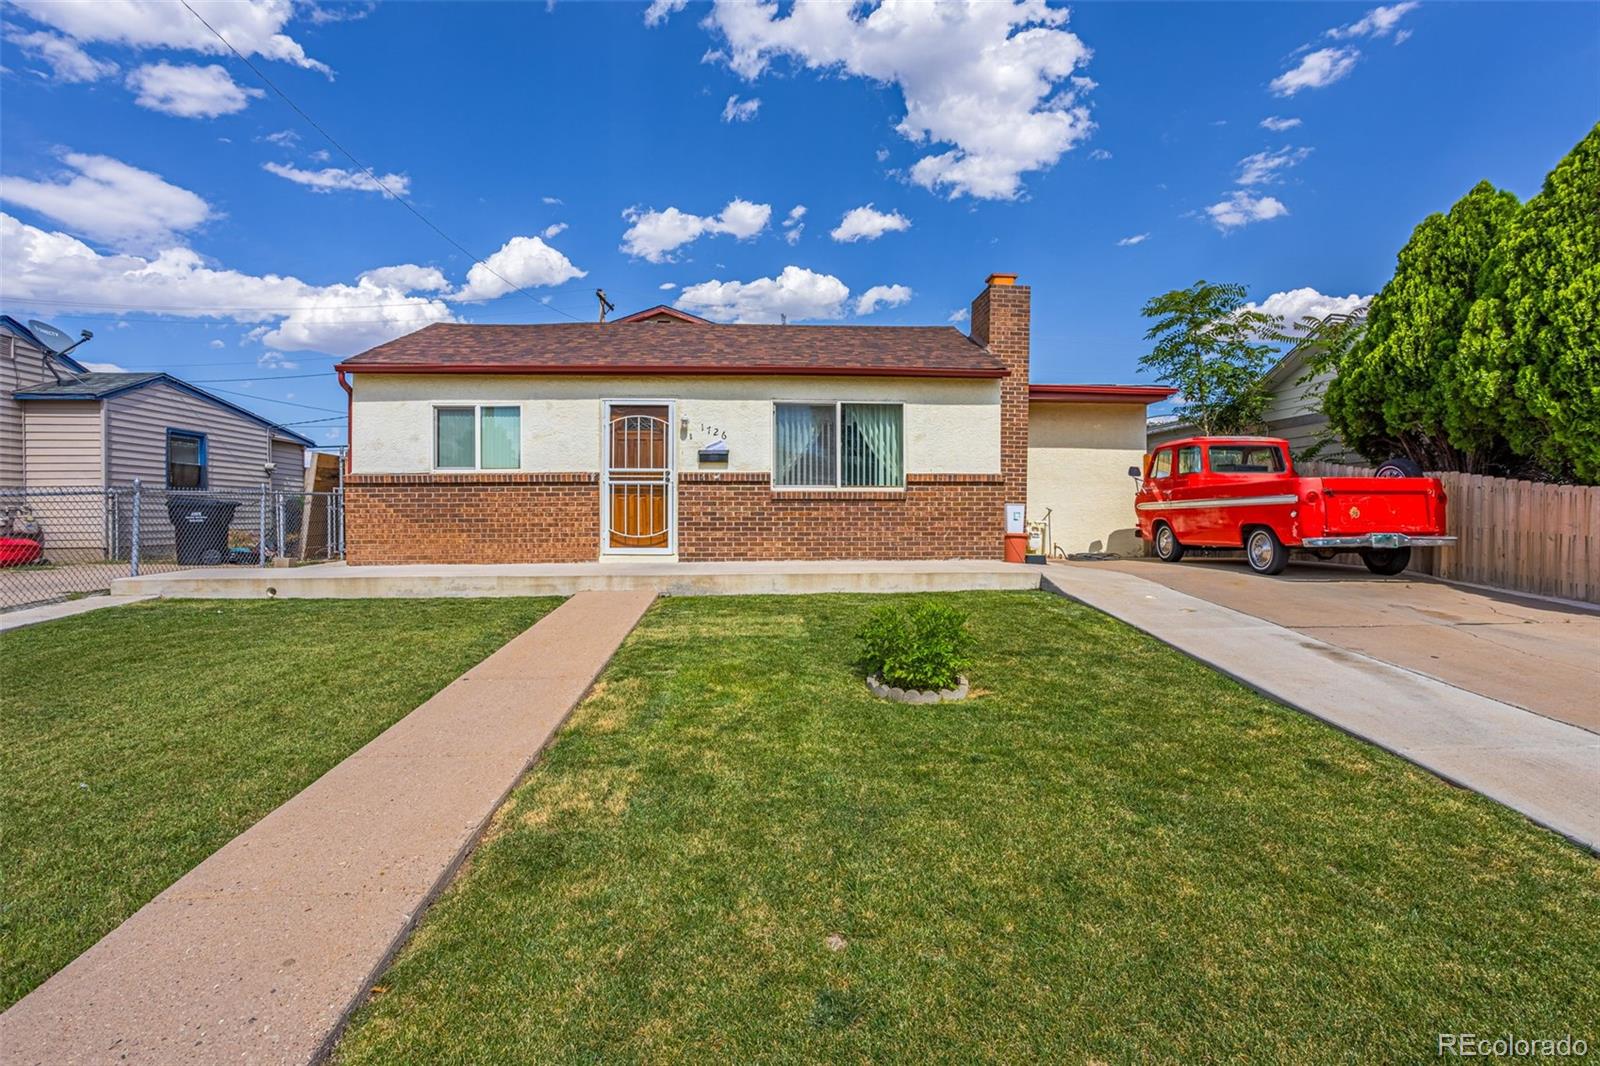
59, 543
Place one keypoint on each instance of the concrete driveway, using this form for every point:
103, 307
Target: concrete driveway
1526, 652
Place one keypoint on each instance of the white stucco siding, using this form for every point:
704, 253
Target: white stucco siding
1078, 459
952, 426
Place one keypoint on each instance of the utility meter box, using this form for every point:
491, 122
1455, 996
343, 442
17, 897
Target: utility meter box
1016, 513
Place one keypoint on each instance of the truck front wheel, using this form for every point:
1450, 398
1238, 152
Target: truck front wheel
1168, 550
1386, 561
1265, 551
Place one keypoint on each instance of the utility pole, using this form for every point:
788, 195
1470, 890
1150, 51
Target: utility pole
605, 304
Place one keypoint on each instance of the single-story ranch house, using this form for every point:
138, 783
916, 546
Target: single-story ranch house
662, 434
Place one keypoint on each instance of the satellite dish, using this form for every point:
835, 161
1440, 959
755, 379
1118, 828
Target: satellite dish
51, 337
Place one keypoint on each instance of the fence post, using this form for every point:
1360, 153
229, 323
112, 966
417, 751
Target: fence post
133, 554
261, 528
280, 539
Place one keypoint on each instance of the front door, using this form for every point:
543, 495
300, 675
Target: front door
637, 505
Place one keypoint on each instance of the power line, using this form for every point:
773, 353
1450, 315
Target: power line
270, 399
478, 260
261, 377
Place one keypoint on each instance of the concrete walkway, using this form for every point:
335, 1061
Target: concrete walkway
258, 953
665, 577
32, 616
1547, 770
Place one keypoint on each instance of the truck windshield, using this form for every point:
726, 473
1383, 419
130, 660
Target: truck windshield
1246, 459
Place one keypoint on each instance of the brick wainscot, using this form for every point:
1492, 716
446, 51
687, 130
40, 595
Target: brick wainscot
472, 518
936, 516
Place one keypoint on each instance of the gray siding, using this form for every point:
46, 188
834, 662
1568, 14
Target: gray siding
289, 466
21, 367
63, 444
236, 447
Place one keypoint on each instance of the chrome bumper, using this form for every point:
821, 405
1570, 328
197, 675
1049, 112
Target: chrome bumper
1377, 540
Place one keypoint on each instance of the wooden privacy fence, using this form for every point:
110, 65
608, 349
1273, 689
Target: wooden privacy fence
1526, 536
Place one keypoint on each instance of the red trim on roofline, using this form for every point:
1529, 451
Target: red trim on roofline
1101, 393
719, 371
662, 309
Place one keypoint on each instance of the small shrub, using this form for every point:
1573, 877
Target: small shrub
924, 645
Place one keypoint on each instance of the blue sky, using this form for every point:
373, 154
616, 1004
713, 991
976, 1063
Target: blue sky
156, 192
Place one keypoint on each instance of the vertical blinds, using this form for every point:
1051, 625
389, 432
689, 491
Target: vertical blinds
500, 441
453, 438
859, 445
805, 445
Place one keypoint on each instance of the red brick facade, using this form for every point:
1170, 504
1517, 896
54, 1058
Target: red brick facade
937, 516
472, 518
1000, 320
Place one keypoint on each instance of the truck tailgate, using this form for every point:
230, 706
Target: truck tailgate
1356, 505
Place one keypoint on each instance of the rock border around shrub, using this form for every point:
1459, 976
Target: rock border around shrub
903, 695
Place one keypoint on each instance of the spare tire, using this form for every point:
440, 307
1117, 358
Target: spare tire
1399, 466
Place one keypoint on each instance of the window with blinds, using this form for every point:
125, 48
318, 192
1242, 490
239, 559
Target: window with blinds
839, 445
477, 438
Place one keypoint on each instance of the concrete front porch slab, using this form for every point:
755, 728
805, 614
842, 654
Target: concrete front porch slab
340, 581
258, 954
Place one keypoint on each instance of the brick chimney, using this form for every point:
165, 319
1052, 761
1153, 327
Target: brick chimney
1001, 322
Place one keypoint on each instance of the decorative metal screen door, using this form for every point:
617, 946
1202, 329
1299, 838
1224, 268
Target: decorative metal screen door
637, 493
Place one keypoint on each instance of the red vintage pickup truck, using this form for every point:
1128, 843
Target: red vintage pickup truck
1242, 492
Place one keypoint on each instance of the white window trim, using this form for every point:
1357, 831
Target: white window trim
477, 439
838, 446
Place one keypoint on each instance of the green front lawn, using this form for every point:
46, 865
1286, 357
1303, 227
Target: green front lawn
732, 852
136, 741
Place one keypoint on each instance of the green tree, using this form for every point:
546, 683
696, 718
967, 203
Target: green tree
1393, 394
1213, 349
1529, 361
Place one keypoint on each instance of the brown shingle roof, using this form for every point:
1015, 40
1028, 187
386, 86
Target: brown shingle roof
593, 348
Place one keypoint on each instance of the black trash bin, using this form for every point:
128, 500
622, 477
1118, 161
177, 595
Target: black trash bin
200, 528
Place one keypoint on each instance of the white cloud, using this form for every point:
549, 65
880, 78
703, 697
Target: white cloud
737, 110
189, 91
1263, 168
336, 179
667, 286
67, 62
408, 277
796, 292
882, 296
1278, 125
216, 344
522, 262
283, 138
868, 224
793, 227
1099, 155
288, 314
958, 315
1379, 22
105, 368
660, 10
655, 235
1242, 208
1316, 70
276, 361
108, 200
254, 27
1137, 238
989, 79
1296, 304
551, 201
555, 230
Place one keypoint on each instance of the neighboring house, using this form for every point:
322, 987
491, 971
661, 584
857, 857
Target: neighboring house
63, 426
662, 434
1293, 412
